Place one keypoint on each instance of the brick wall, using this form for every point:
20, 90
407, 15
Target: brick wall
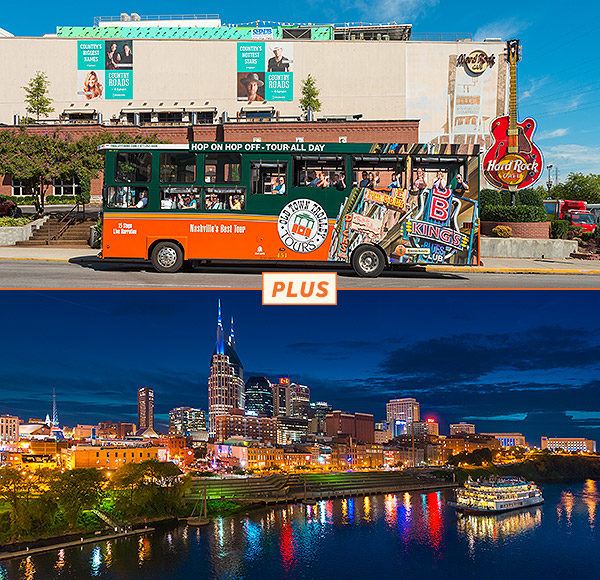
537, 230
354, 131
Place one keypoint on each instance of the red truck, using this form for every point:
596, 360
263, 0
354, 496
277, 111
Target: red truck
572, 211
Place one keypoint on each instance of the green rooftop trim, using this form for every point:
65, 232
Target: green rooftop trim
194, 33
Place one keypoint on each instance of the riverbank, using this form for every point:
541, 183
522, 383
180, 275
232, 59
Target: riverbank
541, 469
81, 542
45, 543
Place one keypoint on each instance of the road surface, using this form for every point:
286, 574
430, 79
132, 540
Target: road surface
95, 274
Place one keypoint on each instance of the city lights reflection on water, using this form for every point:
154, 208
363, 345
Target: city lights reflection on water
96, 561
292, 540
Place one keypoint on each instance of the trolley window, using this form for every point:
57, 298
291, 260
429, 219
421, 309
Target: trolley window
126, 196
318, 171
187, 198
376, 172
177, 167
225, 198
133, 167
222, 168
268, 177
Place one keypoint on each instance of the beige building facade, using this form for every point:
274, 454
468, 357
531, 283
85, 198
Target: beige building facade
385, 80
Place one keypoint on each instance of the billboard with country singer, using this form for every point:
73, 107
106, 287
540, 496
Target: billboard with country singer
265, 71
104, 69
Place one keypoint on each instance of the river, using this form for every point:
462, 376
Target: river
405, 535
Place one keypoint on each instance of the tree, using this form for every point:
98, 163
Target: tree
578, 187
310, 96
37, 159
76, 490
38, 102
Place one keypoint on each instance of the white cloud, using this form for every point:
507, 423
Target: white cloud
534, 87
503, 29
573, 152
573, 158
511, 417
553, 134
382, 10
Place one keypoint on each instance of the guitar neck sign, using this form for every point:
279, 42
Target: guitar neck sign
513, 162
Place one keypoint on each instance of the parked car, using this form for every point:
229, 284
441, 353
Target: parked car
9, 208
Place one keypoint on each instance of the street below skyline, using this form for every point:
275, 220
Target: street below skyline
61, 274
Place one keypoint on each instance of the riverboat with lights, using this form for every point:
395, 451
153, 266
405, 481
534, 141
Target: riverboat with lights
497, 495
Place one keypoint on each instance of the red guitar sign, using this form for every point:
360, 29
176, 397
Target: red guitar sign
513, 161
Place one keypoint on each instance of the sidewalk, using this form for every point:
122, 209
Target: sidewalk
47, 254
490, 265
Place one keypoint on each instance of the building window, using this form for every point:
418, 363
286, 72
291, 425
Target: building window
177, 167
259, 115
204, 117
20, 188
66, 186
132, 167
170, 117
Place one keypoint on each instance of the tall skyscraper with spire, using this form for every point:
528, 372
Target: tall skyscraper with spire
226, 378
54, 410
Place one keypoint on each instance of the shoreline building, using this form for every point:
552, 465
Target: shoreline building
9, 432
462, 427
509, 439
226, 378
400, 414
359, 426
569, 444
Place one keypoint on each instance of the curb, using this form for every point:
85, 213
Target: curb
80, 258
437, 269
484, 270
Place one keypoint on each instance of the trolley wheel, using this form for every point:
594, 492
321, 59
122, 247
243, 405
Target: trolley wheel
368, 261
167, 257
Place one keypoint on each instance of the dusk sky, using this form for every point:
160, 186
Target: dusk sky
504, 360
558, 77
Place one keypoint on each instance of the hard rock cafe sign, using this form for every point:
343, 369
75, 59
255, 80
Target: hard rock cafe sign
476, 62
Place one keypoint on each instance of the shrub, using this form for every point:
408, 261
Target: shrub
532, 197
517, 213
11, 222
50, 199
489, 197
575, 232
502, 232
587, 236
559, 229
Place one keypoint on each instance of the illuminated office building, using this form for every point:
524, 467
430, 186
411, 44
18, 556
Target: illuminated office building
259, 396
145, 408
226, 378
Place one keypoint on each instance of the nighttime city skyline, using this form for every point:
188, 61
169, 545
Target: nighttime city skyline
534, 375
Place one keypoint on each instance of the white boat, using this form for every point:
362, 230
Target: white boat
496, 495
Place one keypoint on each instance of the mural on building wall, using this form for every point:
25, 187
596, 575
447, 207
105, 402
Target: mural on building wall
461, 101
104, 69
428, 213
265, 71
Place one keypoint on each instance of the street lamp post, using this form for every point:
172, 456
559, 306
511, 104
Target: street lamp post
549, 183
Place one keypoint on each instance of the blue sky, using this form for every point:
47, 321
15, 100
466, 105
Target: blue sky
559, 79
507, 361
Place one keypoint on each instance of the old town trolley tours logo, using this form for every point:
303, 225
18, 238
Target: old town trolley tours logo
302, 225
